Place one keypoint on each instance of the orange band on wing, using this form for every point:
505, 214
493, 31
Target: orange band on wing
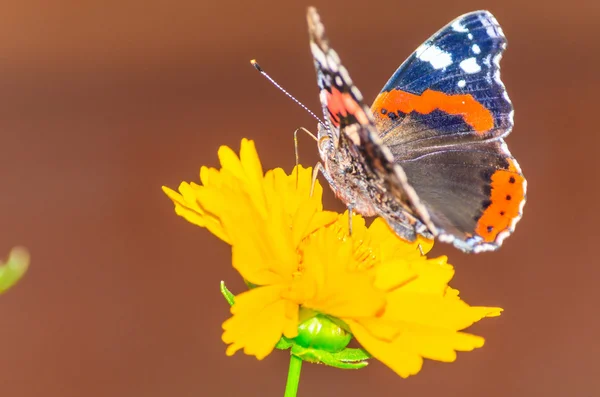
472, 112
343, 104
508, 191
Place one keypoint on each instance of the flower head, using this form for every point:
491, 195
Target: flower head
304, 263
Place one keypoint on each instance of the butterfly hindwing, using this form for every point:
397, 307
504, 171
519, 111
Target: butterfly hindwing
443, 115
474, 193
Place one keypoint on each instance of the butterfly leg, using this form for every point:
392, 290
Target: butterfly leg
315, 174
296, 148
350, 210
420, 249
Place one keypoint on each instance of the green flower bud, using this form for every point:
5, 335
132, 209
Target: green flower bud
322, 333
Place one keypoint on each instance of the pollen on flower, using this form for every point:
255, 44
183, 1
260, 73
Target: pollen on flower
301, 259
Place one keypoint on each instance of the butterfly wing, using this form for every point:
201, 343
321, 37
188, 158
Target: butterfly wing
449, 90
360, 170
474, 193
342, 102
443, 115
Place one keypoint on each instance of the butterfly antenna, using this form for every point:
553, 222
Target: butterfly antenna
261, 71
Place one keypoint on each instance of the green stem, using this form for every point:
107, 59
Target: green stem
291, 388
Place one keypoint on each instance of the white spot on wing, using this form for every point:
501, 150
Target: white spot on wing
356, 93
437, 57
323, 97
476, 49
421, 49
457, 27
318, 53
470, 65
487, 61
331, 63
470, 36
345, 75
462, 84
334, 56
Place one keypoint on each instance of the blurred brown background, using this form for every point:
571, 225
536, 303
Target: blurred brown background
102, 102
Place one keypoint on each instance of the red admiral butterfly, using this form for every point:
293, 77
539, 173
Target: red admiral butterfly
429, 155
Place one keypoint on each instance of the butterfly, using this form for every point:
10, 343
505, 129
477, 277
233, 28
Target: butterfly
429, 155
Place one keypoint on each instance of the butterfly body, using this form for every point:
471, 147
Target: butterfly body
429, 155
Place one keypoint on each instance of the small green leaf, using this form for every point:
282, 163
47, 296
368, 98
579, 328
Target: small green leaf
229, 297
14, 268
337, 360
284, 343
343, 365
350, 355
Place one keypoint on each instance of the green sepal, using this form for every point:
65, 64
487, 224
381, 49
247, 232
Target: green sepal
14, 269
284, 343
346, 359
351, 355
229, 297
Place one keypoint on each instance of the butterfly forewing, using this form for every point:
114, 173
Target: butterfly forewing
449, 90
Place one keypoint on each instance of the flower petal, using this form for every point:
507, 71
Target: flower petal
392, 245
434, 310
404, 354
231, 162
404, 363
262, 248
259, 319
187, 207
251, 162
433, 275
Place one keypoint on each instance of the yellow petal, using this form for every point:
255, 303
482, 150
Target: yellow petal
308, 219
230, 162
253, 173
187, 207
262, 252
433, 275
259, 319
394, 273
404, 363
392, 245
251, 162
210, 177
256, 262
434, 310
404, 354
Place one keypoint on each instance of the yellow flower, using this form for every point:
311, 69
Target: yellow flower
395, 301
